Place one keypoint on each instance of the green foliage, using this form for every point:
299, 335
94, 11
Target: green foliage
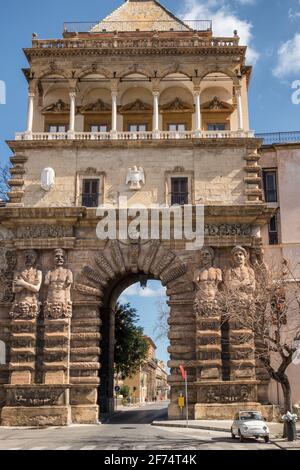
125, 391
131, 347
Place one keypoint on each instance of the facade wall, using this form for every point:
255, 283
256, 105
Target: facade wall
216, 175
286, 160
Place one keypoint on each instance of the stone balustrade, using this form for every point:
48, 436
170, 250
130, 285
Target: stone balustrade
157, 135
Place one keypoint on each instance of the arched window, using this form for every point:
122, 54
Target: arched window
2, 353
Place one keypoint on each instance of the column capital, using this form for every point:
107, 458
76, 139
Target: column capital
72, 93
196, 82
31, 94
197, 91
114, 84
155, 92
238, 90
114, 93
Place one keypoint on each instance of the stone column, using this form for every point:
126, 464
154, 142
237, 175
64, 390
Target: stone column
114, 113
71, 132
156, 114
238, 94
198, 122
29, 126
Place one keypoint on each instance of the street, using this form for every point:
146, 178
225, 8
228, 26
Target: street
126, 430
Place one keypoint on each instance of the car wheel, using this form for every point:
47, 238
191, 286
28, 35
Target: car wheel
232, 434
241, 437
267, 439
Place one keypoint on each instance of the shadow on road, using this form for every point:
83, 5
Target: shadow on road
137, 416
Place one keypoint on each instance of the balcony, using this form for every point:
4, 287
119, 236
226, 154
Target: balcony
132, 136
279, 137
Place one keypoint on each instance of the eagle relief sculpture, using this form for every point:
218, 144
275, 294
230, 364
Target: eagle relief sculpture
135, 178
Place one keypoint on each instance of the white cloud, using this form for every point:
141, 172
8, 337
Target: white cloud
288, 58
136, 291
225, 20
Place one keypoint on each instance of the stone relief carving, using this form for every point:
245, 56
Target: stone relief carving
59, 282
98, 107
227, 230
7, 276
35, 397
207, 279
26, 287
137, 105
240, 279
227, 394
135, 178
59, 107
44, 231
176, 105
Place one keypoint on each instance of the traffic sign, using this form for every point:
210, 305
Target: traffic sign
117, 389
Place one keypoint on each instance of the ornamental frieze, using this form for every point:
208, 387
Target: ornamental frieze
227, 230
35, 397
44, 231
227, 394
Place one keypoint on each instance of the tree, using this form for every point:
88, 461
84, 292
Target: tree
131, 347
4, 178
274, 320
161, 328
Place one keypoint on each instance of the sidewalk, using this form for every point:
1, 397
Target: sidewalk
276, 429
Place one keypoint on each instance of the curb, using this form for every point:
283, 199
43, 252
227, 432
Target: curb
191, 426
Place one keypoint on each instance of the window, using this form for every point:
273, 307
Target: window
270, 185
177, 127
98, 128
273, 231
179, 191
2, 353
57, 128
90, 192
216, 127
137, 127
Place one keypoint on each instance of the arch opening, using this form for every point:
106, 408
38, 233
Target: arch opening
141, 291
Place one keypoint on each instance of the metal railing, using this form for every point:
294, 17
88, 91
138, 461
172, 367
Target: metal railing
279, 137
128, 26
139, 135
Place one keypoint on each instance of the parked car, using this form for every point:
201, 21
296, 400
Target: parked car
249, 424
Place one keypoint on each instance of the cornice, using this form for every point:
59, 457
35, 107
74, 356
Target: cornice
249, 143
135, 51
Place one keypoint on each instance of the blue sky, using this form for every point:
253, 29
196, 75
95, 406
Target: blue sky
269, 27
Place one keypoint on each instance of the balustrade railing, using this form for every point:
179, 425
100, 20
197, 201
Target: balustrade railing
279, 137
139, 135
127, 26
137, 43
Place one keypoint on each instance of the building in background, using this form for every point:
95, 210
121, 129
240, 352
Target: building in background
150, 382
280, 163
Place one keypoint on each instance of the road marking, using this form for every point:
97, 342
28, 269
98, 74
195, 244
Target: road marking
88, 447
64, 448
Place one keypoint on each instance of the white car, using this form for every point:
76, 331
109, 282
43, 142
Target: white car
250, 424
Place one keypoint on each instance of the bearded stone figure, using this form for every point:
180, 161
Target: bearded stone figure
26, 287
59, 282
207, 281
240, 278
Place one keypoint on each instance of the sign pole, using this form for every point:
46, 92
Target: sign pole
187, 400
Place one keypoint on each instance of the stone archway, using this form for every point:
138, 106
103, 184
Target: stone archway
117, 265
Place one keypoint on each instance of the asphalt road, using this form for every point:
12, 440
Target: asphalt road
126, 430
